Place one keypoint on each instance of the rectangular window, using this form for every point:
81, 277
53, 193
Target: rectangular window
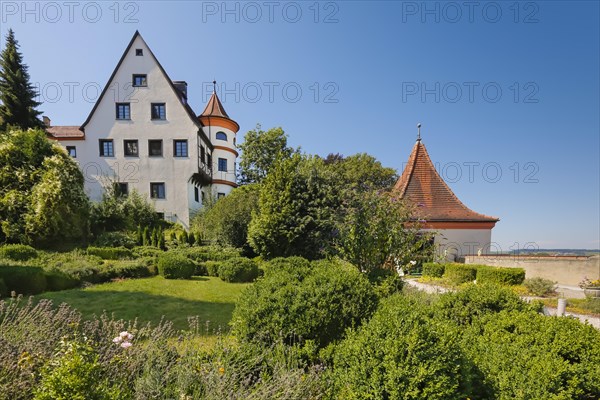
220, 195
180, 148
131, 148
121, 189
157, 190
139, 80
106, 148
202, 155
223, 164
72, 150
155, 148
123, 111
158, 111
139, 52
196, 194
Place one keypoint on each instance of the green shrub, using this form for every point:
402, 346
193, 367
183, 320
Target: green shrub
525, 355
399, 354
76, 264
175, 266
238, 269
115, 239
146, 251
74, 373
499, 275
460, 273
57, 280
477, 300
110, 253
316, 303
540, 286
434, 270
126, 269
287, 263
23, 279
18, 252
200, 269
212, 267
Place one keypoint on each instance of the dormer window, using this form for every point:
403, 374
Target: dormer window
139, 52
221, 136
139, 80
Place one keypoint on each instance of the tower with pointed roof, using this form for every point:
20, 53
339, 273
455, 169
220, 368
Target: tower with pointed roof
221, 130
459, 230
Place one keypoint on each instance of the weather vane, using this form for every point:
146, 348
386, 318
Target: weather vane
419, 132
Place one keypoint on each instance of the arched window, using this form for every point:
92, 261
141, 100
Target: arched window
222, 136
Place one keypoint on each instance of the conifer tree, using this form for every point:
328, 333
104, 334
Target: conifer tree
17, 94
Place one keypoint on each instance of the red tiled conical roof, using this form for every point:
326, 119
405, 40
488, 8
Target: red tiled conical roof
214, 108
421, 183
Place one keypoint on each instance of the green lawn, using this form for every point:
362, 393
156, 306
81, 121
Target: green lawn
209, 298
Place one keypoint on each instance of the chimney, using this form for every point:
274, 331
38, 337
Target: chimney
181, 87
46, 121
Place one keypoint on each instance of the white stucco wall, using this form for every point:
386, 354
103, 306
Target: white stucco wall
460, 242
230, 174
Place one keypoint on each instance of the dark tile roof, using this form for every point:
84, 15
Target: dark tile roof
422, 185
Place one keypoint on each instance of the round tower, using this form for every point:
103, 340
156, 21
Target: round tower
221, 131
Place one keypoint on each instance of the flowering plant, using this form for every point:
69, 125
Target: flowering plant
124, 339
587, 283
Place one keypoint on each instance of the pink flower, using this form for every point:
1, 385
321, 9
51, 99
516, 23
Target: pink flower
126, 345
117, 339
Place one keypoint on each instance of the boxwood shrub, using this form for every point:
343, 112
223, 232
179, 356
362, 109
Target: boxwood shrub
399, 354
239, 269
110, 253
126, 269
57, 280
434, 270
499, 275
316, 303
175, 266
146, 251
18, 252
212, 267
460, 273
23, 279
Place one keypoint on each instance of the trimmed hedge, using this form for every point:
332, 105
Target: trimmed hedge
434, 270
499, 275
58, 280
460, 273
110, 253
238, 269
175, 266
18, 252
146, 251
126, 269
23, 279
212, 267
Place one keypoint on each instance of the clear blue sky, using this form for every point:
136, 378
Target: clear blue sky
507, 92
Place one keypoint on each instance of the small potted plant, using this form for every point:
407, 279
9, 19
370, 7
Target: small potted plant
590, 288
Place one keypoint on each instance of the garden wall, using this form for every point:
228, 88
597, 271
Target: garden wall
566, 270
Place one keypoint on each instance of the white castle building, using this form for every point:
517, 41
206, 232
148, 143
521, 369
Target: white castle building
142, 135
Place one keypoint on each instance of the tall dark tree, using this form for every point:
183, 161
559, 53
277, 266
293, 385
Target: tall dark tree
17, 94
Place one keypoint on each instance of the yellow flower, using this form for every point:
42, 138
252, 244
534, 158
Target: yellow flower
221, 370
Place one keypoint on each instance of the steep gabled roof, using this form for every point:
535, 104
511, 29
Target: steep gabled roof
421, 184
187, 108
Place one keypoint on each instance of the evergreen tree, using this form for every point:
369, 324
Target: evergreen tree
17, 95
161, 239
146, 238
